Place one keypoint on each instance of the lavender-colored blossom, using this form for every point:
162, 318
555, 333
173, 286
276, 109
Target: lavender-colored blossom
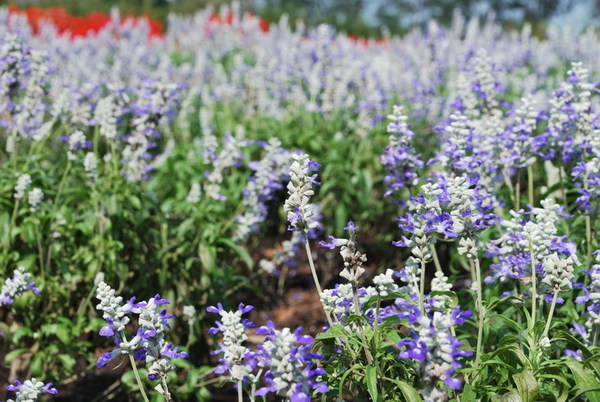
231, 155
30, 390
591, 297
539, 234
300, 213
270, 174
570, 116
399, 157
290, 370
432, 345
449, 206
149, 342
237, 360
16, 286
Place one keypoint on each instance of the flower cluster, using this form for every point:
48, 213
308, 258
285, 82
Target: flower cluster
301, 214
36, 196
230, 156
450, 207
432, 344
570, 116
527, 240
155, 101
399, 157
270, 174
283, 360
148, 344
558, 272
591, 296
431, 341
16, 286
30, 390
348, 298
289, 363
237, 359
23, 183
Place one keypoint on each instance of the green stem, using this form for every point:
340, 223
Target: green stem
480, 313
530, 184
254, 382
562, 186
314, 275
38, 238
239, 391
533, 287
165, 388
136, 373
436, 260
138, 378
508, 183
588, 237
13, 220
49, 255
518, 191
368, 354
422, 289
14, 154
62, 183
376, 323
551, 313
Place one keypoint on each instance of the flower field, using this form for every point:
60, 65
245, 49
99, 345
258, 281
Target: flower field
164, 189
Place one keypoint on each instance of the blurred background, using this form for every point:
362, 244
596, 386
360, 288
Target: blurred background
358, 17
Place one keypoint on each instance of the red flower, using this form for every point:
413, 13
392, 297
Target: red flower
67, 24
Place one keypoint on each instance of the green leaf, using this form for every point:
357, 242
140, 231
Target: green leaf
64, 334
208, 256
371, 380
68, 361
345, 375
453, 297
468, 394
335, 331
21, 332
239, 250
526, 385
586, 390
12, 355
341, 218
135, 202
574, 342
36, 364
585, 380
408, 391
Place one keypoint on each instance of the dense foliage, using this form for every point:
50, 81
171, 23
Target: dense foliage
149, 165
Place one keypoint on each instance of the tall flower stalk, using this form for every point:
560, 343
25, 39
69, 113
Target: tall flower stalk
300, 213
